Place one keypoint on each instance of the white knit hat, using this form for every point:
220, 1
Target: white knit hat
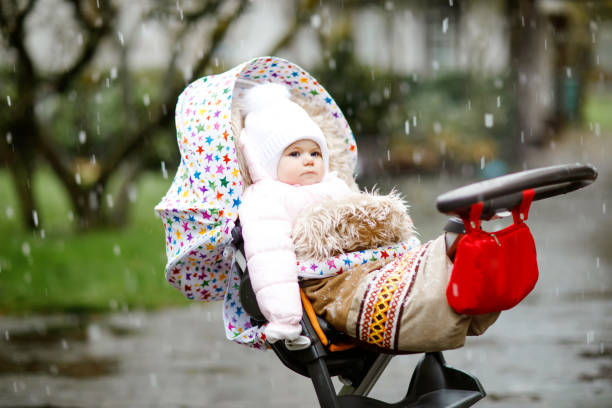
273, 122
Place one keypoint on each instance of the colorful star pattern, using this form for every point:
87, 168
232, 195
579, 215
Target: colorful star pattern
201, 207
341, 263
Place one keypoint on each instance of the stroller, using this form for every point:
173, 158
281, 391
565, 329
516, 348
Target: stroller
206, 258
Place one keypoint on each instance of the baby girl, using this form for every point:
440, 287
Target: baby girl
288, 161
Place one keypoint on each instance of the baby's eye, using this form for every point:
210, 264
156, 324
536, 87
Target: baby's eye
294, 154
315, 154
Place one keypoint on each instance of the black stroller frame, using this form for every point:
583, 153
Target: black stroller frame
433, 383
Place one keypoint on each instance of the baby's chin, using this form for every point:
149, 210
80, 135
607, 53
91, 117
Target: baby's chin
309, 179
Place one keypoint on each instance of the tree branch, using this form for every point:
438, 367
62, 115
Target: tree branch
135, 142
300, 17
6, 152
127, 83
118, 214
217, 37
18, 21
16, 39
58, 164
168, 9
210, 7
94, 37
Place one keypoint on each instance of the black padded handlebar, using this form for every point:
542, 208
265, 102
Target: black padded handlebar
505, 192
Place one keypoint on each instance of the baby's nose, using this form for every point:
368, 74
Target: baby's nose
308, 159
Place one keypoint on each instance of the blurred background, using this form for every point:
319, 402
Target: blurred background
438, 94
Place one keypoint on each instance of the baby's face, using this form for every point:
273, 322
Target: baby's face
301, 164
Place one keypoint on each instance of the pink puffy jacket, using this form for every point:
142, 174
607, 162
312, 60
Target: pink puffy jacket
267, 214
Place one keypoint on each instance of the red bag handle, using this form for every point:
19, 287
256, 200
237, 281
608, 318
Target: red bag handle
520, 213
473, 221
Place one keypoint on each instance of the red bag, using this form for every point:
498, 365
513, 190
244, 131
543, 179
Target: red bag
493, 271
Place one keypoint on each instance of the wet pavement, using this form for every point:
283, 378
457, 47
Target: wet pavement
553, 350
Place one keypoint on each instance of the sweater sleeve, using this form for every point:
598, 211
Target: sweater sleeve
266, 229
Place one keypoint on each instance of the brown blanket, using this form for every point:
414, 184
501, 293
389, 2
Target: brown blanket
398, 305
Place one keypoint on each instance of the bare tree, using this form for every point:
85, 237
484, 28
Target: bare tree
128, 145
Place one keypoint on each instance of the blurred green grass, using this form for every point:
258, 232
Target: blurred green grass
597, 108
57, 269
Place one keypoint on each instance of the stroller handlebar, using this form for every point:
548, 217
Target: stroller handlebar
505, 192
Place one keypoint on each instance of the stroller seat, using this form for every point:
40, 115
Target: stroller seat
433, 383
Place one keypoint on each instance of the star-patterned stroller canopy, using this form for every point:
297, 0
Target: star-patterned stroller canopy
201, 207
